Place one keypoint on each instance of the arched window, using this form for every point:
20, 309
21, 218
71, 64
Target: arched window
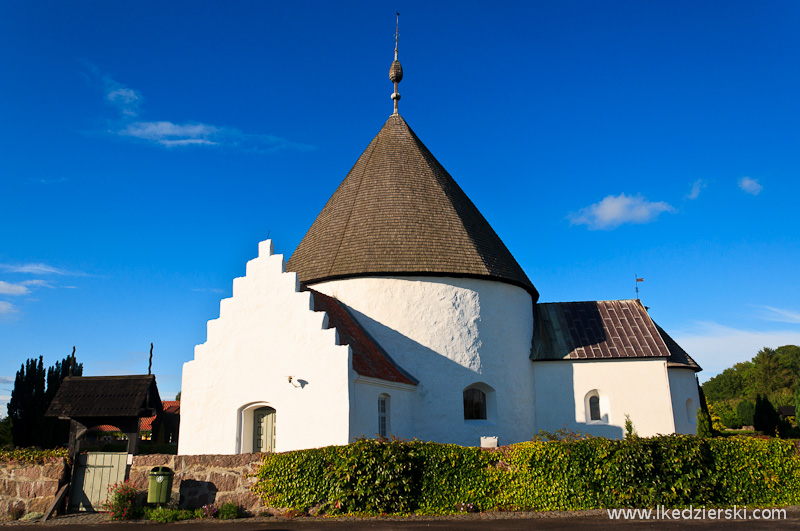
691, 412
474, 404
383, 415
480, 404
594, 408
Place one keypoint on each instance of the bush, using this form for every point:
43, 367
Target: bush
30, 455
166, 515
398, 477
765, 418
120, 501
704, 424
229, 511
728, 416
745, 411
372, 476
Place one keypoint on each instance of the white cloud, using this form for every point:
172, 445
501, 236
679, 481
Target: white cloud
170, 134
22, 288
127, 102
7, 288
35, 269
751, 186
697, 186
614, 211
7, 308
780, 315
716, 347
5, 380
124, 99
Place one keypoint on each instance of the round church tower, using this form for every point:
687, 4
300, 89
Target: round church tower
418, 267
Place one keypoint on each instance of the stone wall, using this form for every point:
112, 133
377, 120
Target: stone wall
202, 479
31, 487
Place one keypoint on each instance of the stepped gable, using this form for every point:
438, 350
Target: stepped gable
398, 212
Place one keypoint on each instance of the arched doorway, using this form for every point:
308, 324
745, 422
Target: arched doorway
264, 429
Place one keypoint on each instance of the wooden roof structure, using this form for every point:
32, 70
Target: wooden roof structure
106, 396
88, 401
398, 212
602, 330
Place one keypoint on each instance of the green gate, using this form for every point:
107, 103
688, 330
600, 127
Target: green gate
92, 474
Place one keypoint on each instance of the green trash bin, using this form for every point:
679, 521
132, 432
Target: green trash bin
160, 487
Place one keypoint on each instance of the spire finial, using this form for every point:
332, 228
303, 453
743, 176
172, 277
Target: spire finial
396, 35
396, 71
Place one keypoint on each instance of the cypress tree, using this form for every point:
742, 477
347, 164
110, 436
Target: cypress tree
27, 405
33, 391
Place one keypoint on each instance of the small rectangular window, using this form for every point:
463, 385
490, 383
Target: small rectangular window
594, 408
382, 416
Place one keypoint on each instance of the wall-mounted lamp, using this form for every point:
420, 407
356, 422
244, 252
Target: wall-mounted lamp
294, 382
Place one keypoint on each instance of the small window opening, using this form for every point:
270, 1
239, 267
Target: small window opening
474, 404
383, 415
594, 408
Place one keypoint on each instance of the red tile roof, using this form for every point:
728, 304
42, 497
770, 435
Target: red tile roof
368, 358
145, 423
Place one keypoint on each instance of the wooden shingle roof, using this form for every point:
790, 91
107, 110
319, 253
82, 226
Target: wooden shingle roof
368, 357
398, 212
106, 396
600, 330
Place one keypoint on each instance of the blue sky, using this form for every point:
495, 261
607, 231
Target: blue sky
147, 147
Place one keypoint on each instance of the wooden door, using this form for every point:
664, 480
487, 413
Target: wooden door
264, 429
92, 475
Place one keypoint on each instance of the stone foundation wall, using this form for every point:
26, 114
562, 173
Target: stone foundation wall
203, 479
31, 487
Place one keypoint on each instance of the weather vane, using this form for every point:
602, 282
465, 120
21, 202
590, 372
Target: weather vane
637, 285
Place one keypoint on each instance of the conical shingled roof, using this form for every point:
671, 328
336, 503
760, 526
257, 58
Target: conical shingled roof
398, 212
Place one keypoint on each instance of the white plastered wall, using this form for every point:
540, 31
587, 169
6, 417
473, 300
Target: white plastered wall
364, 408
639, 387
450, 333
685, 399
266, 332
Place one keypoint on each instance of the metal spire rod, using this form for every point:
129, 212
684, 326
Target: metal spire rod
396, 35
396, 71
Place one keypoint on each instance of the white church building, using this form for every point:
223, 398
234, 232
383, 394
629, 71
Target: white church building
402, 313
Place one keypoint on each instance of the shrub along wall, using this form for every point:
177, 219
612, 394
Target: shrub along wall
376, 477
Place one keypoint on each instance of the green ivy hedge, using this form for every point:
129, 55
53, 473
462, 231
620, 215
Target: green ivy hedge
31, 455
400, 477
